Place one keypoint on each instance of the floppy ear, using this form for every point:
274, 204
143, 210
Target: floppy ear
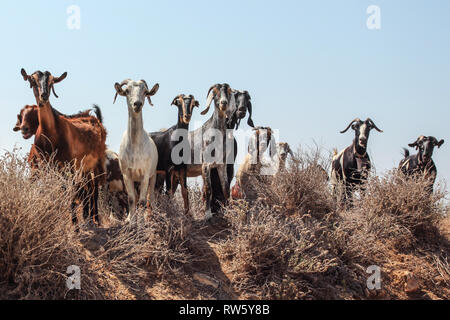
211, 94
153, 91
119, 90
414, 145
175, 101
250, 111
19, 121
24, 74
440, 143
196, 104
289, 150
59, 79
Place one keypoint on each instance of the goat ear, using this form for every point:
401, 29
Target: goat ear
175, 101
154, 90
119, 90
250, 111
19, 121
24, 74
413, 145
196, 104
440, 143
61, 78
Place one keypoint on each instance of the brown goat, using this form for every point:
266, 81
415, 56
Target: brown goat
78, 141
28, 123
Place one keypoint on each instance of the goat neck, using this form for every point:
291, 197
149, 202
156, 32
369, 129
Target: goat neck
358, 150
135, 126
47, 121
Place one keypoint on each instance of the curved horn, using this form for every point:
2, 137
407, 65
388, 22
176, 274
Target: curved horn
60, 78
53, 90
211, 94
355, 120
119, 89
374, 125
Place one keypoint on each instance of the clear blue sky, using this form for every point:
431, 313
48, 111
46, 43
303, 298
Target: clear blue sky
310, 66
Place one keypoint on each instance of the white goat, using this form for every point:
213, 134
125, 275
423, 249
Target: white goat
138, 155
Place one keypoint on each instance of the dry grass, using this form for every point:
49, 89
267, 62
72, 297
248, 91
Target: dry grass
292, 242
37, 241
301, 189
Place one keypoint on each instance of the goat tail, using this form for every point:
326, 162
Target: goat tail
406, 152
98, 113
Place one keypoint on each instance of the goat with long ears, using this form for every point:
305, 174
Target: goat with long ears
173, 143
138, 155
352, 165
240, 104
422, 162
201, 140
71, 140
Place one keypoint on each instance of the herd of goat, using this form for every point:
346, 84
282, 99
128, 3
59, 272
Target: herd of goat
147, 161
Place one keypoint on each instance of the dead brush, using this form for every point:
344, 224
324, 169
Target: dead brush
37, 241
301, 188
156, 244
403, 199
271, 256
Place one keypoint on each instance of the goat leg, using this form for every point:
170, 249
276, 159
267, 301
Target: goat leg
129, 186
151, 191
184, 190
206, 175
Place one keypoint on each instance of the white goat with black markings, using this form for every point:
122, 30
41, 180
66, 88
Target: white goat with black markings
138, 156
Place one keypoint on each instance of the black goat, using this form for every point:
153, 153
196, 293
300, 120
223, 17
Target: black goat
352, 165
421, 163
175, 171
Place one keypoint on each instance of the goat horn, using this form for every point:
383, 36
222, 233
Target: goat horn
374, 125
355, 120
211, 94
53, 90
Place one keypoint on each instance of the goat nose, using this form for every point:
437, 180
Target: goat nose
138, 104
223, 102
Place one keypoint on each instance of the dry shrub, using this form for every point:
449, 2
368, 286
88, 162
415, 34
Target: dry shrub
155, 244
396, 224
302, 188
37, 240
404, 199
274, 257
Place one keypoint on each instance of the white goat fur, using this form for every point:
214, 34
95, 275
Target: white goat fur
138, 155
